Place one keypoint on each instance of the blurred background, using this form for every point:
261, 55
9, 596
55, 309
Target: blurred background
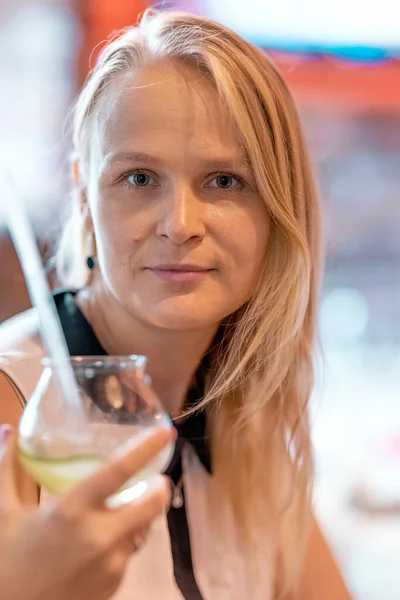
342, 62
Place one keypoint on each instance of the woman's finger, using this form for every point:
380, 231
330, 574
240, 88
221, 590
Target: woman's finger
9, 499
95, 490
134, 518
138, 539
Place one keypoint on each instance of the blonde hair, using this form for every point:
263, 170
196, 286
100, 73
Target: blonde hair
261, 371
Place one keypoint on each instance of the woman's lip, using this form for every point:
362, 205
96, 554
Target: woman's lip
179, 267
180, 275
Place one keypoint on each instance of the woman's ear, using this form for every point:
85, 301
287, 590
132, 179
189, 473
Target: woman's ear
81, 192
86, 213
76, 174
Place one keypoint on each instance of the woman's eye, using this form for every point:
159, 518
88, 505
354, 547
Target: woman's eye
139, 179
225, 182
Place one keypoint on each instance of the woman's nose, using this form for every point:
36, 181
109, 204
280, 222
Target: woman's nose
182, 217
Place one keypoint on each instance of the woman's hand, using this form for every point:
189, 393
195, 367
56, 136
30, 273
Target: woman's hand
74, 546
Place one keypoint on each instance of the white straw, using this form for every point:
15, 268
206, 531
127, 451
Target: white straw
39, 290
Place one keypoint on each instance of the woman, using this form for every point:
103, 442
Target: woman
195, 241
76, 548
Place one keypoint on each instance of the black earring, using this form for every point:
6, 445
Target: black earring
90, 262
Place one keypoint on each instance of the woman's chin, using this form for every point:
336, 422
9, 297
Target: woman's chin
181, 314
181, 321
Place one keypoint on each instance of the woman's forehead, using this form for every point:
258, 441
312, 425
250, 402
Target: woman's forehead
161, 109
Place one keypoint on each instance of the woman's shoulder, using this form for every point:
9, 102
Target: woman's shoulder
21, 351
20, 333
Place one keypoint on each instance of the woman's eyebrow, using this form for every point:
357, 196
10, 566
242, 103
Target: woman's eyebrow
129, 157
219, 162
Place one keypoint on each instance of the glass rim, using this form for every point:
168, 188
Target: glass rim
132, 360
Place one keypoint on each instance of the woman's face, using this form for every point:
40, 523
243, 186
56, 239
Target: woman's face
181, 234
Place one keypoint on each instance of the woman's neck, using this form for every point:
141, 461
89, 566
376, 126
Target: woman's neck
173, 355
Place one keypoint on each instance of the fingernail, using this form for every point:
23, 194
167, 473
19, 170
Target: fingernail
154, 483
5, 432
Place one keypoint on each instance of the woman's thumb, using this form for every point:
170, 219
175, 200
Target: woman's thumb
8, 487
6, 432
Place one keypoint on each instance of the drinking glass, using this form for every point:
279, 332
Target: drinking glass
121, 409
